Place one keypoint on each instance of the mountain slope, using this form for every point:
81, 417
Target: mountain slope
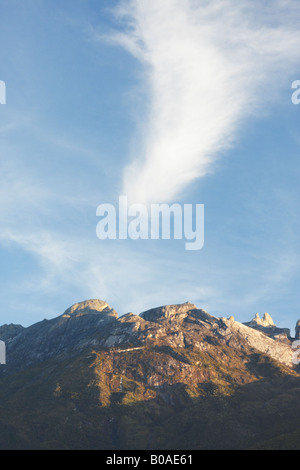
172, 377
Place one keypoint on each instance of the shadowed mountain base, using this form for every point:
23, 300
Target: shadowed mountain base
77, 404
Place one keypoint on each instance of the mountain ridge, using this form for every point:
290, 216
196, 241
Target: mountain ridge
94, 322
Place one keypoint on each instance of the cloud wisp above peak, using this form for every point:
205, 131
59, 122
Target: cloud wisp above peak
206, 66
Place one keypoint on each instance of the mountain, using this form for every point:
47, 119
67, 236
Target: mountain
174, 377
8, 332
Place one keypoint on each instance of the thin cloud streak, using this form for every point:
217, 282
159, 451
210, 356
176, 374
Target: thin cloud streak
207, 67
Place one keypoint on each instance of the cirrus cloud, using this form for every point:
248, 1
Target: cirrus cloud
206, 67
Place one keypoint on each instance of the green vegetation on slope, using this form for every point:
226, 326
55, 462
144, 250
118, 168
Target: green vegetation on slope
152, 398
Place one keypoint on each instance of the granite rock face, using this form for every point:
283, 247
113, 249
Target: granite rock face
90, 307
168, 312
267, 326
237, 334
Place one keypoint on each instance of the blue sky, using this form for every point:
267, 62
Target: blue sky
183, 101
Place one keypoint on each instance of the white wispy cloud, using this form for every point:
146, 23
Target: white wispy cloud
207, 66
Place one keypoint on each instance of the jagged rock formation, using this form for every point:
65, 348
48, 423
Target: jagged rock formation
266, 321
171, 376
267, 326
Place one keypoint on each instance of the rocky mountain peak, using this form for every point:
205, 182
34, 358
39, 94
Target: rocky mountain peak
8, 332
266, 321
268, 327
90, 307
168, 312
